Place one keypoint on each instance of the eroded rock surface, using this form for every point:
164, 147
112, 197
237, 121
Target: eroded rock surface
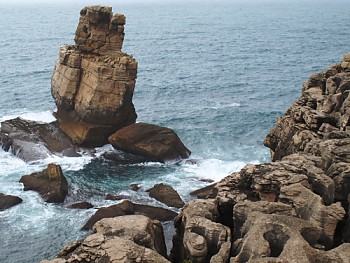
294, 209
49, 183
93, 81
151, 141
123, 239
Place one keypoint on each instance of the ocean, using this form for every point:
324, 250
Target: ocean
217, 72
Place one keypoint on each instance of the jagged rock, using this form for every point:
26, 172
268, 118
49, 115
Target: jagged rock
166, 194
137, 228
310, 207
199, 238
49, 183
32, 141
128, 208
153, 142
81, 205
93, 81
7, 201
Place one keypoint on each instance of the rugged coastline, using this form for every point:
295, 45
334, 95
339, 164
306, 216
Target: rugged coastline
291, 209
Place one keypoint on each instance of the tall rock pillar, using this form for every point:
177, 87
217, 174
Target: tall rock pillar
93, 81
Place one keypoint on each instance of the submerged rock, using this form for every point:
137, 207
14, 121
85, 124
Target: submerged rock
81, 205
93, 81
7, 201
49, 183
128, 208
151, 141
166, 195
32, 141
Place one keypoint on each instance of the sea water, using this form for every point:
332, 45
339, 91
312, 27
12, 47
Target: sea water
217, 72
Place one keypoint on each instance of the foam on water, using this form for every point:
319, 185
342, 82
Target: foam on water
40, 116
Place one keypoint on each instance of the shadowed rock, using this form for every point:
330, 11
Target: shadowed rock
153, 142
49, 183
81, 205
166, 194
7, 201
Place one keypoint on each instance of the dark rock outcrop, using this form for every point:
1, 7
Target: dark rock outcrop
134, 238
128, 208
7, 201
93, 81
32, 141
49, 183
81, 205
151, 141
166, 195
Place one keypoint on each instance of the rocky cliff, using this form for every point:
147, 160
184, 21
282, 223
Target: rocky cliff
93, 81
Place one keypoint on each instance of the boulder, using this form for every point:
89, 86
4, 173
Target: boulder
166, 195
32, 141
204, 192
49, 183
153, 142
7, 201
128, 208
93, 81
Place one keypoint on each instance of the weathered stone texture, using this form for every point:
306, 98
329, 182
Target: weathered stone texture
93, 81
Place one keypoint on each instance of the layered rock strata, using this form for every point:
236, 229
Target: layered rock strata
93, 81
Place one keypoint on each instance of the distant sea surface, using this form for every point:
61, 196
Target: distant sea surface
217, 72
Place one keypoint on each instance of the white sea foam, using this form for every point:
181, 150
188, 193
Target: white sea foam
41, 116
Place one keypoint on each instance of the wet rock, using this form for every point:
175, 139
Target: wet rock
49, 183
153, 142
81, 205
166, 195
134, 187
128, 208
116, 197
93, 81
32, 141
7, 201
122, 158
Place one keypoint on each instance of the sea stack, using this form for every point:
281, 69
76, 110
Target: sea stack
93, 81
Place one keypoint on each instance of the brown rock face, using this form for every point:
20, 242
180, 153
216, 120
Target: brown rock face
166, 194
7, 201
93, 81
151, 141
49, 183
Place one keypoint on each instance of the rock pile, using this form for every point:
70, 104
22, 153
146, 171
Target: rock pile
93, 81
